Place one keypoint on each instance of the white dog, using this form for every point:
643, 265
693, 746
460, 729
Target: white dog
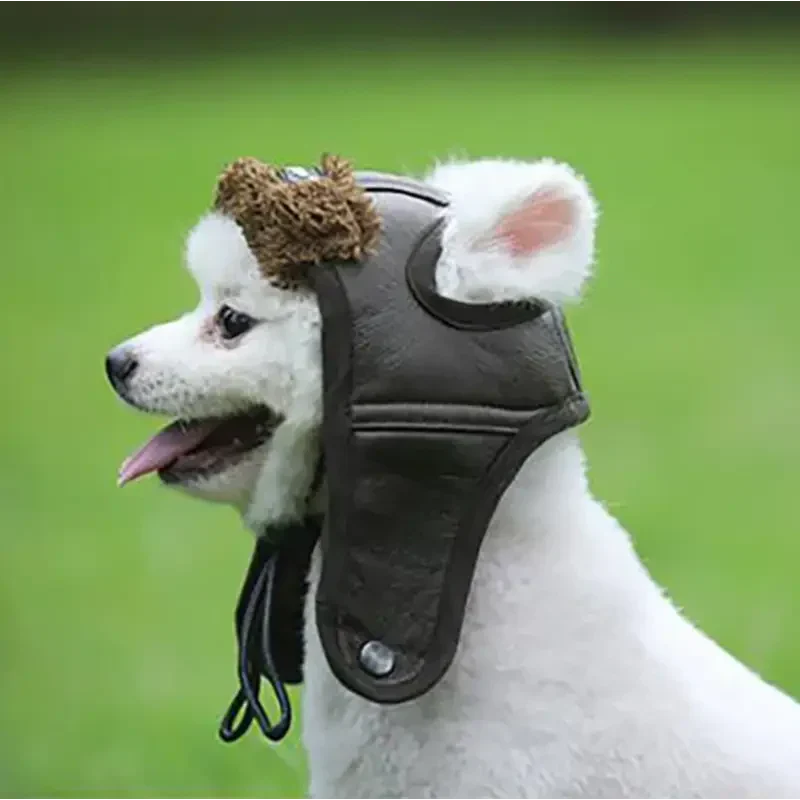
575, 676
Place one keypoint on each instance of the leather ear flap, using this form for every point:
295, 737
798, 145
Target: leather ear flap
396, 575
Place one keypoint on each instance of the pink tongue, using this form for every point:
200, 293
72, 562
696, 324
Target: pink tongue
167, 445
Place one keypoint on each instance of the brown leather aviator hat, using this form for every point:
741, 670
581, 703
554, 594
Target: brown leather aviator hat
431, 406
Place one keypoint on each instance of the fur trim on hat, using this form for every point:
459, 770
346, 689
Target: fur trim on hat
290, 224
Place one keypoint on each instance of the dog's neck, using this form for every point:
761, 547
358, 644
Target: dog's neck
550, 485
547, 523
531, 594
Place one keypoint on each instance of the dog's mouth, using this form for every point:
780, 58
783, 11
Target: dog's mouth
189, 449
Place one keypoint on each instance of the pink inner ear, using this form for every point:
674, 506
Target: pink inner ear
544, 219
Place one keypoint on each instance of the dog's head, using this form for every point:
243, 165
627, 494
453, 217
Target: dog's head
241, 373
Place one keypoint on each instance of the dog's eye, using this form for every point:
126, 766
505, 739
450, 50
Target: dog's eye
233, 323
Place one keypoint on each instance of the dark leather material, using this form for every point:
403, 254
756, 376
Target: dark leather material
287, 604
431, 407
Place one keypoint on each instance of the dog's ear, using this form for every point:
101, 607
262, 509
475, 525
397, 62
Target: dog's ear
515, 231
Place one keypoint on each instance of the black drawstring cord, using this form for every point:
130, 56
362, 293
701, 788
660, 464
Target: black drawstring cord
253, 626
255, 660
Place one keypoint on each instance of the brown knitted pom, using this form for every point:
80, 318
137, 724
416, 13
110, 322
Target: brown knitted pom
289, 225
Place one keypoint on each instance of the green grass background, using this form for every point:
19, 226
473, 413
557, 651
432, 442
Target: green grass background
116, 642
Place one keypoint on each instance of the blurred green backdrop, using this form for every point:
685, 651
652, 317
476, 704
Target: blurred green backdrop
116, 642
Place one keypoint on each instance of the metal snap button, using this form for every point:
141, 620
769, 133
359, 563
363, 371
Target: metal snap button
376, 658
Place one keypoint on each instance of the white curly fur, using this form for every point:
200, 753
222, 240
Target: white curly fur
476, 266
575, 676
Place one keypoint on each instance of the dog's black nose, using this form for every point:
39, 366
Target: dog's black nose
120, 365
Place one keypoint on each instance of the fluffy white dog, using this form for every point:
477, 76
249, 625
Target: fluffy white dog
575, 676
